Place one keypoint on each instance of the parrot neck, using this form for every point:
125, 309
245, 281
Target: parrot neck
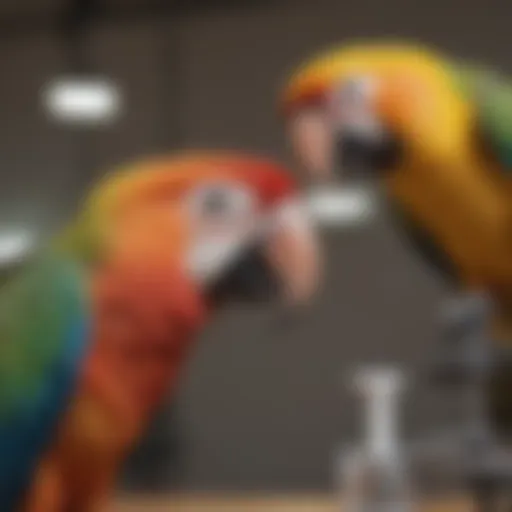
145, 325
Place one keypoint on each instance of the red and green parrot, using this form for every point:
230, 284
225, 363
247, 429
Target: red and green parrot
96, 329
436, 135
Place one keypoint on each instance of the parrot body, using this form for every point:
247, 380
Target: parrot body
105, 322
436, 134
144, 323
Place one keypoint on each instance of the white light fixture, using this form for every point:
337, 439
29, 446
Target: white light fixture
82, 101
343, 206
14, 246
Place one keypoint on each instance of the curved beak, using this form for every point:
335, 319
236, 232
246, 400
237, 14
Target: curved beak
312, 142
352, 144
277, 259
293, 251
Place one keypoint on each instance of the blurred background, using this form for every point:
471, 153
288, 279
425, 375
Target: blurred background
260, 409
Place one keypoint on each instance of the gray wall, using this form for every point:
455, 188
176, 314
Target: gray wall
259, 408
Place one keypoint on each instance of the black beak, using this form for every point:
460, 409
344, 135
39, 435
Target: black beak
362, 155
252, 279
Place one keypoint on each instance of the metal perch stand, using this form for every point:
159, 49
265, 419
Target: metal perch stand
375, 474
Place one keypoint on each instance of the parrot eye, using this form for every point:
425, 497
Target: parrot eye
221, 201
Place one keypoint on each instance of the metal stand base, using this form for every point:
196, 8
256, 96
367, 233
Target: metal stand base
468, 361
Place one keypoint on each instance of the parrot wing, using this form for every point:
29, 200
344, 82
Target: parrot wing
43, 337
418, 240
491, 96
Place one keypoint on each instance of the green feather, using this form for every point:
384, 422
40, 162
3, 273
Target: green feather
37, 308
491, 94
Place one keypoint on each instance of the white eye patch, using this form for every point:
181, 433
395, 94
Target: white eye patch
224, 217
352, 107
209, 257
213, 253
358, 90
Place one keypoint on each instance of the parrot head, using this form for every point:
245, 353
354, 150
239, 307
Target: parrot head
371, 109
231, 224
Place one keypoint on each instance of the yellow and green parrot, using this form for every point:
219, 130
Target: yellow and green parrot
436, 134
96, 330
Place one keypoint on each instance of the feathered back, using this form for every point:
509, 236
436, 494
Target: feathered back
491, 95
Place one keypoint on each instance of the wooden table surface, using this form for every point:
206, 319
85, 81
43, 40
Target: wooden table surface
254, 504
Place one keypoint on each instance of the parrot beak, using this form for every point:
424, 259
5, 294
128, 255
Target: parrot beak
312, 142
339, 162
293, 253
279, 261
